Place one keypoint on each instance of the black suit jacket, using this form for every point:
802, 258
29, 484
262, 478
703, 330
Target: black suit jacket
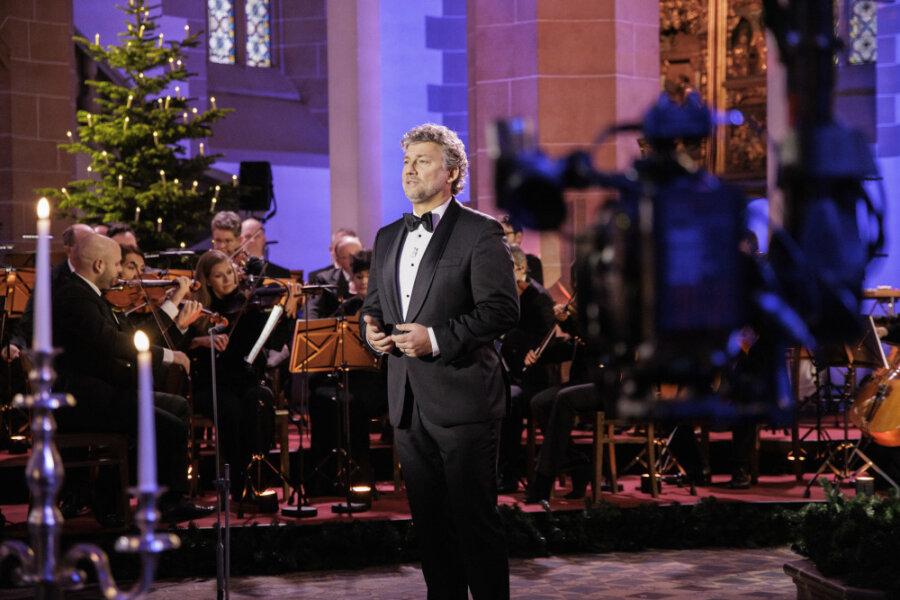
466, 291
324, 305
94, 345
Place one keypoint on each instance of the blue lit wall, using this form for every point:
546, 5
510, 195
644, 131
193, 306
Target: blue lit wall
423, 70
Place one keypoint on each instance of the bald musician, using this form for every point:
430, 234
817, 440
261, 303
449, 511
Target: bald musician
97, 366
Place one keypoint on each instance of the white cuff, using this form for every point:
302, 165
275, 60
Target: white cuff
435, 351
168, 356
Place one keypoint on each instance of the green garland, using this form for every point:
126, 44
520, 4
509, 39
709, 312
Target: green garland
287, 547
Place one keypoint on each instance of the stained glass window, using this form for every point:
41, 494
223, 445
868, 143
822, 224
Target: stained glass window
221, 31
259, 53
863, 31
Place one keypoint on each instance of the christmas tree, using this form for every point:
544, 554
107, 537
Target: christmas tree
139, 172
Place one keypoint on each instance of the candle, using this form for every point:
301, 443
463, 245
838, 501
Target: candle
178, 63
213, 102
159, 225
216, 195
184, 116
178, 92
65, 192
176, 182
146, 418
159, 44
156, 138
42, 339
168, 100
187, 30
182, 245
125, 124
137, 214
141, 32
162, 175
90, 169
105, 157
96, 39
202, 151
234, 180
212, 204
171, 64
90, 120
194, 186
160, 102
130, 98
194, 111
120, 182
69, 135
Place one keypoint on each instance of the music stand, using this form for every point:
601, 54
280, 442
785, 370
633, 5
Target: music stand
866, 352
334, 345
16, 287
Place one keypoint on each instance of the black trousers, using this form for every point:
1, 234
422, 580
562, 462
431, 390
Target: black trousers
450, 475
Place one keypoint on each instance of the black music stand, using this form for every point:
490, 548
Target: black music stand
335, 346
866, 352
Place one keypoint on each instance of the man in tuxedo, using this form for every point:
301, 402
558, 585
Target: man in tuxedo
97, 367
441, 291
339, 275
253, 237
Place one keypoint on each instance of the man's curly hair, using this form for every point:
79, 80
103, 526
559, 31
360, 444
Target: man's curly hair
452, 148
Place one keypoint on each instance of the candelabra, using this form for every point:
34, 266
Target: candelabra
40, 564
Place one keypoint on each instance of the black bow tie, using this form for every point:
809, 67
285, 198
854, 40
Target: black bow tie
413, 222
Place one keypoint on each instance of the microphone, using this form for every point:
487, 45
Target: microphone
218, 329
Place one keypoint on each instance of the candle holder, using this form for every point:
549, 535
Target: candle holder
40, 564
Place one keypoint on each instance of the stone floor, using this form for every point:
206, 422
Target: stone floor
716, 574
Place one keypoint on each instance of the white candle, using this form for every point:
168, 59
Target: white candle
213, 102
42, 339
171, 64
130, 99
90, 120
156, 138
146, 424
120, 182
194, 185
159, 225
96, 39
234, 180
184, 117
105, 155
159, 45
168, 101
137, 214
187, 30
178, 92
212, 205
162, 175
125, 123
66, 192
69, 135
202, 151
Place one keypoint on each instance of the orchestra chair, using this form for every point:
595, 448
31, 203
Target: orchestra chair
95, 450
605, 440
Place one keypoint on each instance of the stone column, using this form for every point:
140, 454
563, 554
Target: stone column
573, 68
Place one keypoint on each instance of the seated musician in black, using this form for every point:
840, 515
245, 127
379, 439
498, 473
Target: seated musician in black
246, 417
97, 366
536, 320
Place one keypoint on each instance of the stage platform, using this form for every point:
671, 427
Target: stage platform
777, 483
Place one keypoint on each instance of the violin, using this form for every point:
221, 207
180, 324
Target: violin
132, 295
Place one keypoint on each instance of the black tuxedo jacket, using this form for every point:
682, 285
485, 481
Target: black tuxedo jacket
466, 291
94, 345
324, 305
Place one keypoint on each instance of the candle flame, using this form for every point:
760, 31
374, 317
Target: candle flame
141, 341
43, 209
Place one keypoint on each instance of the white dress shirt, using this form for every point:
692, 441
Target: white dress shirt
411, 257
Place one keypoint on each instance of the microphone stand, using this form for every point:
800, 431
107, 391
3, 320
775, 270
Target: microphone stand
222, 485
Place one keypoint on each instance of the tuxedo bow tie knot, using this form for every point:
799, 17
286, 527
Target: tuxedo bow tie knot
413, 222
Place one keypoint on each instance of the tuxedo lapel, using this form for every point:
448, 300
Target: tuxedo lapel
393, 312
433, 253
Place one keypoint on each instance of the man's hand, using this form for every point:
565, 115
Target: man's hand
184, 286
13, 353
221, 341
376, 337
414, 340
188, 313
181, 359
530, 358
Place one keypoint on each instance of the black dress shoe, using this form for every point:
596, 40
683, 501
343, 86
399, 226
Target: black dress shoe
539, 489
740, 480
183, 510
581, 475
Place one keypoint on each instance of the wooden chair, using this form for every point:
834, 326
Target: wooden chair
605, 437
98, 450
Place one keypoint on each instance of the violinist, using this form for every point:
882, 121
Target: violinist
536, 320
245, 409
121, 234
253, 241
97, 366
